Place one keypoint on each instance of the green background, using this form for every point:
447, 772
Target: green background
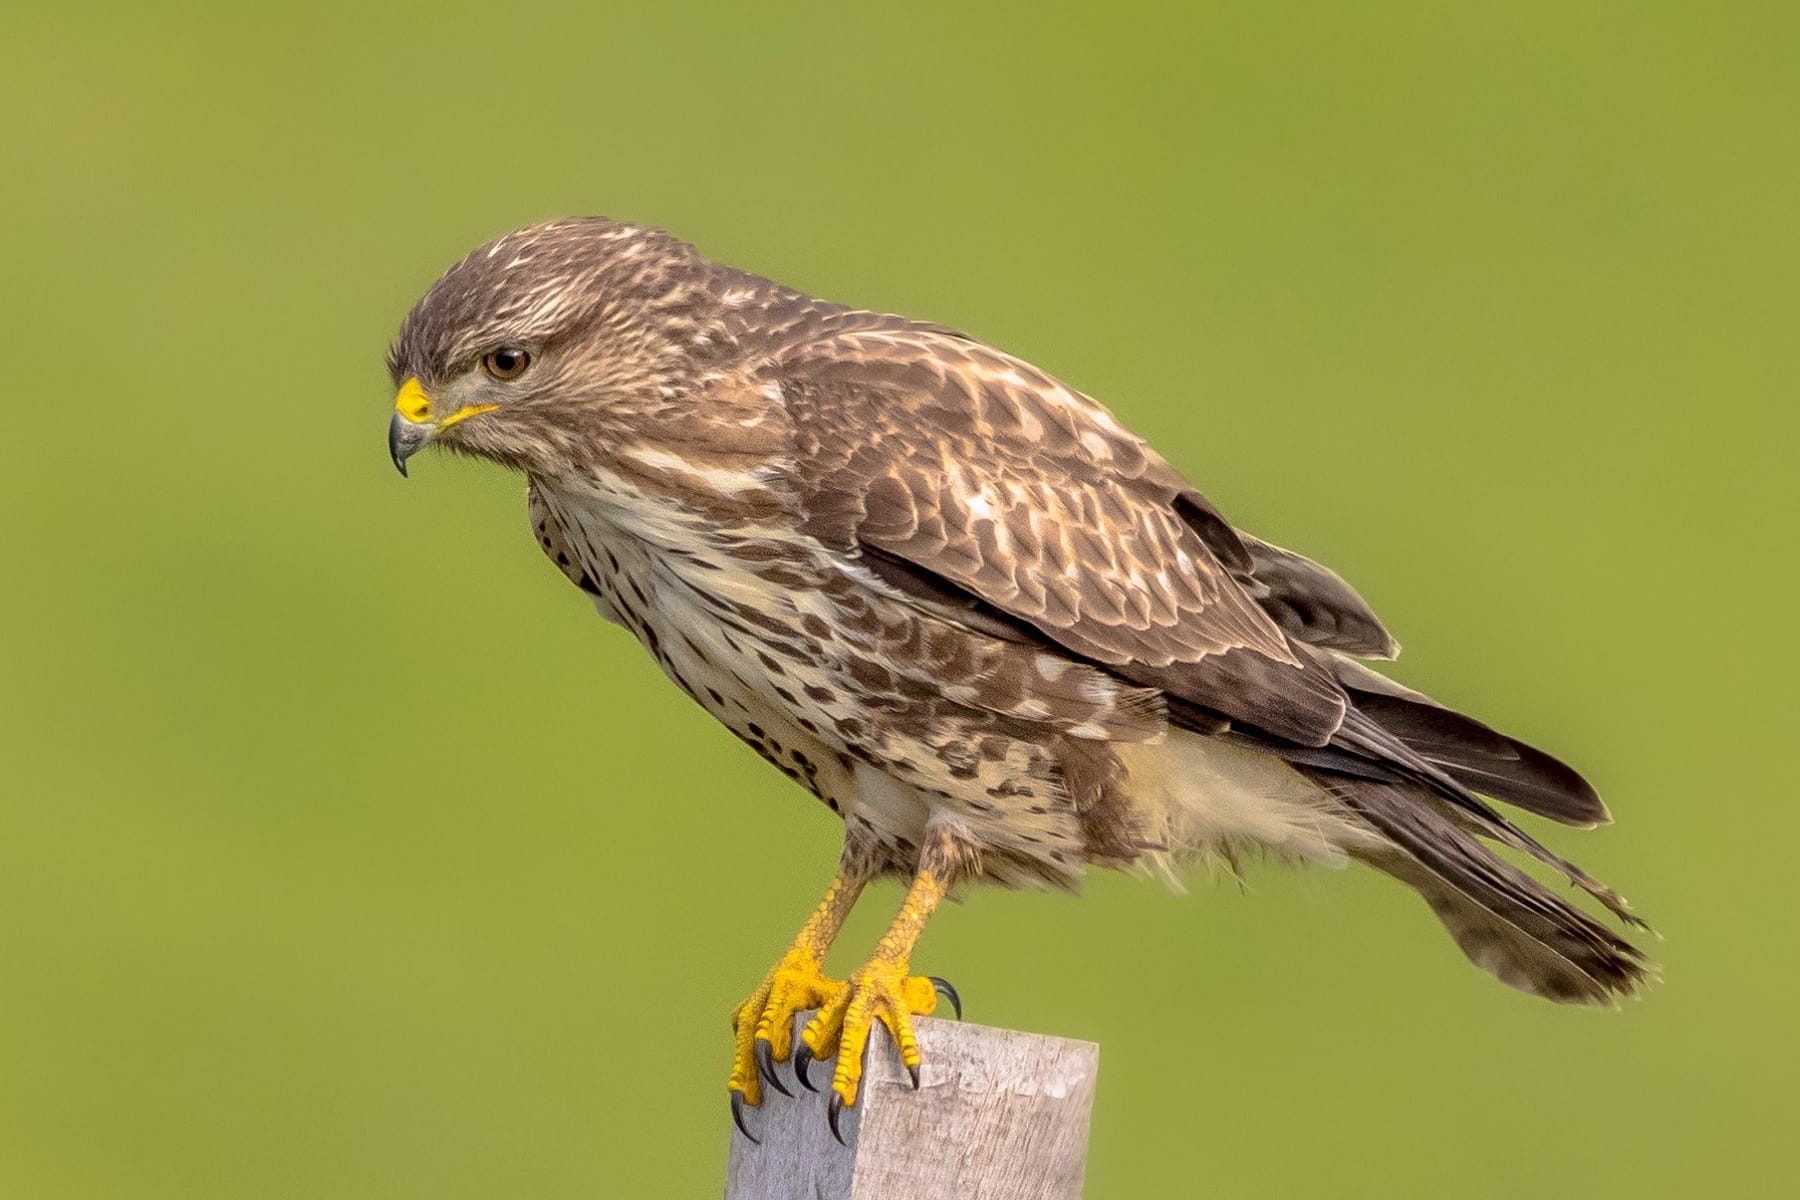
345, 853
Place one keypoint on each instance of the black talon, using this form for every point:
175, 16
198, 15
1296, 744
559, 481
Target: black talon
833, 1111
737, 1118
914, 1072
942, 987
803, 1058
765, 1066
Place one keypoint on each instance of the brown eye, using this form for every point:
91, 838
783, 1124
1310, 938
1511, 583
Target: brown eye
506, 363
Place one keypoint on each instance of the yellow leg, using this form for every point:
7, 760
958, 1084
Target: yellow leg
882, 990
764, 1023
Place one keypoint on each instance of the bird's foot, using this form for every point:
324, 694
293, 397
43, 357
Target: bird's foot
764, 1023
881, 990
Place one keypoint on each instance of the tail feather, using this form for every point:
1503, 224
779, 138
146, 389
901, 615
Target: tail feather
1363, 734
1480, 758
1506, 922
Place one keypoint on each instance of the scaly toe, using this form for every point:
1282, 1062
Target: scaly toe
879, 992
763, 1025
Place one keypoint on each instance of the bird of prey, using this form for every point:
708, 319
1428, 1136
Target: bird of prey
956, 600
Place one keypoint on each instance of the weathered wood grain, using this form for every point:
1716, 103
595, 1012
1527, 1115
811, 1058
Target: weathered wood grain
999, 1115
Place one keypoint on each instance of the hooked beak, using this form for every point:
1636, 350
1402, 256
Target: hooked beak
412, 429
413, 426
406, 439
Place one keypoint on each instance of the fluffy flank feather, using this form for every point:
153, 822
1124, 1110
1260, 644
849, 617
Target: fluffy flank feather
1210, 801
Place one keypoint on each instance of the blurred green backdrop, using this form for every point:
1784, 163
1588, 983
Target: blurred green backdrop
347, 854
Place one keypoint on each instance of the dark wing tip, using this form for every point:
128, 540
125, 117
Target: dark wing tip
1314, 604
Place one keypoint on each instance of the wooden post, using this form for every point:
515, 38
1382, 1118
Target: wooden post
999, 1115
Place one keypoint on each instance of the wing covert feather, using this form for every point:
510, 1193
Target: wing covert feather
985, 472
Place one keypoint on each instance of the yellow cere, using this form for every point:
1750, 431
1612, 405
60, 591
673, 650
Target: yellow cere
412, 402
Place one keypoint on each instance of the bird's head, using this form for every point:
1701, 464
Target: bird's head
530, 349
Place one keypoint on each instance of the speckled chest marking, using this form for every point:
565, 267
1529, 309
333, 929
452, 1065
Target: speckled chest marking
788, 659
630, 588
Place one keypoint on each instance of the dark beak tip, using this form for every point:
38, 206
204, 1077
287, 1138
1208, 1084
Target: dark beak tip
404, 440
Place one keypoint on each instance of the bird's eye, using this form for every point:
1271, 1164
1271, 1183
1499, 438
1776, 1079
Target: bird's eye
505, 363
